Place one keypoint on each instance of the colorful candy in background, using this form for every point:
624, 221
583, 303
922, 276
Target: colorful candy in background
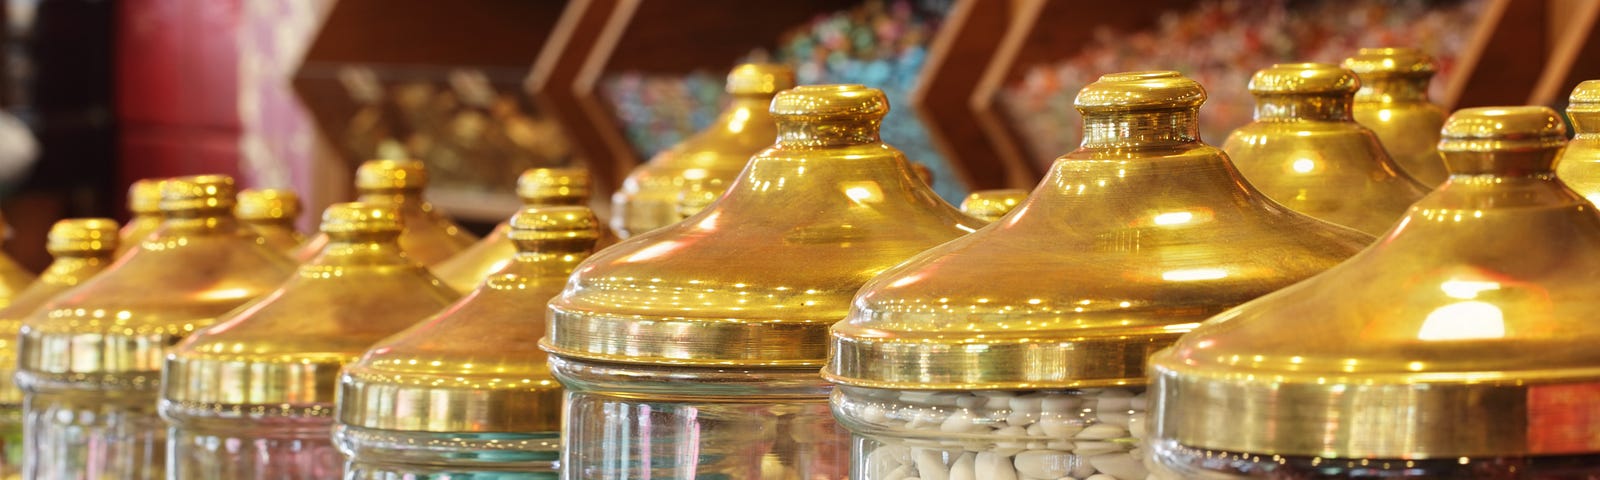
1221, 43
878, 43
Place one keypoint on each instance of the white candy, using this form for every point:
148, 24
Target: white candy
989, 466
1120, 465
1101, 431
1045, 463
930, 464
965, 467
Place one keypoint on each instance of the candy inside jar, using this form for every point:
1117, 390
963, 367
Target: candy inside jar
956, 435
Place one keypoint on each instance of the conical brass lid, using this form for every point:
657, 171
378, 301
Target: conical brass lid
112, 331
710, 159
470, 368
144, 202
1128, 242
990, 205
82, 248
755, 279
272, 213
1306, 152
536, 187
1393, 102
1579, 163
284, 352
1467, 331
429, 237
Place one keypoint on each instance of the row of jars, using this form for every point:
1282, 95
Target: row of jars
1015, 348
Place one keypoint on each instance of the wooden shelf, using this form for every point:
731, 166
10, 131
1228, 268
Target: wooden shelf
944, 100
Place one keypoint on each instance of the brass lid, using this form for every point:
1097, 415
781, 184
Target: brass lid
694, 199
755, 279
1128, 242
1304, 79
554, 186
112, 331
1579, 164
990, 205
1391, 61
284, 351
765, 79
1469, 331
82, 248
144, 201
469, 368
267, 205
1585, 98
390, 175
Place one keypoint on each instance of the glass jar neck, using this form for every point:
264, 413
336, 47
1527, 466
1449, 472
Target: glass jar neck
1327, 108
1393, 90
1165, 128
828, 133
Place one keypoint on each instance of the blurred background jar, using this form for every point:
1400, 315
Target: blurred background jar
535, 187
272, 213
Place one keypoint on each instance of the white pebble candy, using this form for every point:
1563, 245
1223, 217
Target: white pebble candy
1120, 419
965, 467
1060, 427
1013, 440
1096, 448
958, 422
1114, 400
901, 473
989, 466
925, 421
1044, 463
1139, 402
971, 401
996, 400
1060, 403
930, 464
1101, 431
1101, 476
1120, 465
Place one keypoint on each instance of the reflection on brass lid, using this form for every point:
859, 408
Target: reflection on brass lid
1501, 129
82, 236
990, 205
266, 204
694, 199
357, 217
1585, 98
760, 79
1468, 331
144, 196
1304, 78
830, 102
1116, 253
1389, 61
198, 192
554, 186
755, 279
1140, 91
384, 175
469, 367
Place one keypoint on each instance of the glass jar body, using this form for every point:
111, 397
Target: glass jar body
375, 454
251, 442
88, 434
635, 422
11, 441
996, 434
1173, 462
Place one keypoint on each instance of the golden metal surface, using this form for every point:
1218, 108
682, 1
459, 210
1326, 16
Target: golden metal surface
272, 213
1468, 330
285, 350
1579, 164
144, 202
756, 278
1304, 151
470, 368
990, 205
429, 237
1128, 242
82, 247
536, 187
13, 278
710, 159
1393, 102
111, 332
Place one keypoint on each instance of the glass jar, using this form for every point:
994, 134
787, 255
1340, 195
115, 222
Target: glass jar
1461, 346
430, 238
82, 247
254, 395
1393, 102
708, 160
537, 187
89, 362
272, 213
492, 407
692, 351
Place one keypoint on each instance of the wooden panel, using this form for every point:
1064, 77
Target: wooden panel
462, 32
1504, 60
944, 97
1576, 53
551, 85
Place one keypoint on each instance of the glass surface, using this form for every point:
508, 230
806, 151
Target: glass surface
1176, 462
394, 455
205, 447
73, 435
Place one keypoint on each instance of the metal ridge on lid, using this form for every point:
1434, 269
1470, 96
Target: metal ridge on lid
1391, 61
1304, 79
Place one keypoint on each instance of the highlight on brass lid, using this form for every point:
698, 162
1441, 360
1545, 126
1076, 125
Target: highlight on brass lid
197, 192
1139, 91
1304, 78
1585, 98
542, 224
1469, 331
1115, 253
694, 199
760, 79
82, 236
755, 279
267, 204
990, 205
1499, 129
385, 175
554, 186
144, 197
357, 217
1391, 61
